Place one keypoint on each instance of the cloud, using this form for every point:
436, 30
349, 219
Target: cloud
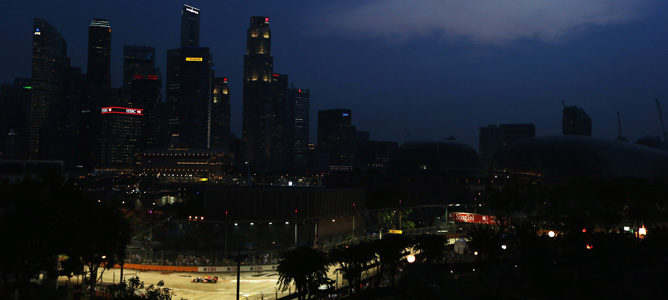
481, 21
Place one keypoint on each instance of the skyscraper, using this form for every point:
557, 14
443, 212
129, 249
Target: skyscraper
220, 115
99, 53
189, 26
335, 136
278, 143
257, 93
189, 78
138, 61
119, 137
576, 121
297, 129
48, 70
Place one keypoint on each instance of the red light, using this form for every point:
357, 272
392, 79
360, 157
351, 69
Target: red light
137, 77
295, 211
590, 246
225, 79
226, 212
122, 110
266, 19
353, 204
584, 230
275, 75
152, 77
300, 90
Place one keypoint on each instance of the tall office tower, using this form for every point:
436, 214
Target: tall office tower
189, 76
119, 137
257, 93
576, 121
335, 136
138, 61
278, 144
514, 132
99, 53
490, 141
48, 64
189, 26
297, 129
142, 88
14, 109
220, 115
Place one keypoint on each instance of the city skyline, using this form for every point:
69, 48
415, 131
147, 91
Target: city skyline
485, 84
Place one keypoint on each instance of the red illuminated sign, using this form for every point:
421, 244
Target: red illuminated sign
138, 76
152, 77
471, 218
275, 75
122, 110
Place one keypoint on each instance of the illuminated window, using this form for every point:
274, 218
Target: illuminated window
266, 35
254, 34
225, 91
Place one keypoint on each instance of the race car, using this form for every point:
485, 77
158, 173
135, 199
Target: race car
207, 279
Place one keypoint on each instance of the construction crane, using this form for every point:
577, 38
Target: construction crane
620, 137
663, 128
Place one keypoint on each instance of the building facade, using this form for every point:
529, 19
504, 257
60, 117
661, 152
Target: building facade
189, 26
220, 115
335, 136
99, 53
576, 121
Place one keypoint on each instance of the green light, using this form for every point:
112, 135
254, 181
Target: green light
27, 87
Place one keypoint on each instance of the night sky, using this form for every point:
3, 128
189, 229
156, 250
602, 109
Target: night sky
409, 69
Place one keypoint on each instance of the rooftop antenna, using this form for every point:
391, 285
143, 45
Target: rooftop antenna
619, 129
663, 128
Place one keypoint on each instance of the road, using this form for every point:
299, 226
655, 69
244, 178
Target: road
254, 285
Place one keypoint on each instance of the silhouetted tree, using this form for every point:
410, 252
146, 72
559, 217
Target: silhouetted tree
430, 246
390, 250
306, 267
352, 261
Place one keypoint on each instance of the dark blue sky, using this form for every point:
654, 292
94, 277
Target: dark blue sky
419, 69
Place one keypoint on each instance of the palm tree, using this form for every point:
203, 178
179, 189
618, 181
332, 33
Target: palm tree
390, 250
306, 266
352, 261
430, 246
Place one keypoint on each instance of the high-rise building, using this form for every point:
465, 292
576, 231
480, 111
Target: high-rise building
257, 93
189, 77
49, 60
335, 136
514, 132
119, 137
490, 141
138, 63
220, 115
297, 129
278, 143
99, 53
576, 121
189, 26
14, 109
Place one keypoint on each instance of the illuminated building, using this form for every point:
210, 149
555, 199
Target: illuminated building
99, 53
119, 137
575, 121
184, 165
189, 79
297, 130
48, 64
257, 93
220, 115
138, 61
189, 26
335, 136
14, 108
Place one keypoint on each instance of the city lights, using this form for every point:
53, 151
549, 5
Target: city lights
551, 234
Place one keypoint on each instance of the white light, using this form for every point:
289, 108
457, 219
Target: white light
504, 247
270, 223
551, 234
627, 228
642, 230
104, 256
236, 224
473, 270
333, 220
286, 223
289, 183
252, 223
410, 259
475, 253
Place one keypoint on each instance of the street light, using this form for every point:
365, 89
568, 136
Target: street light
504, 247
410, 258
551, 234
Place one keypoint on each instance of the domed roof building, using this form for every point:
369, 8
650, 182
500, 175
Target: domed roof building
447, 157
558, 158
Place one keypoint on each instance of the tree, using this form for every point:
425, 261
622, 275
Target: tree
306, 267
352, 261
430, 246
390, 250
